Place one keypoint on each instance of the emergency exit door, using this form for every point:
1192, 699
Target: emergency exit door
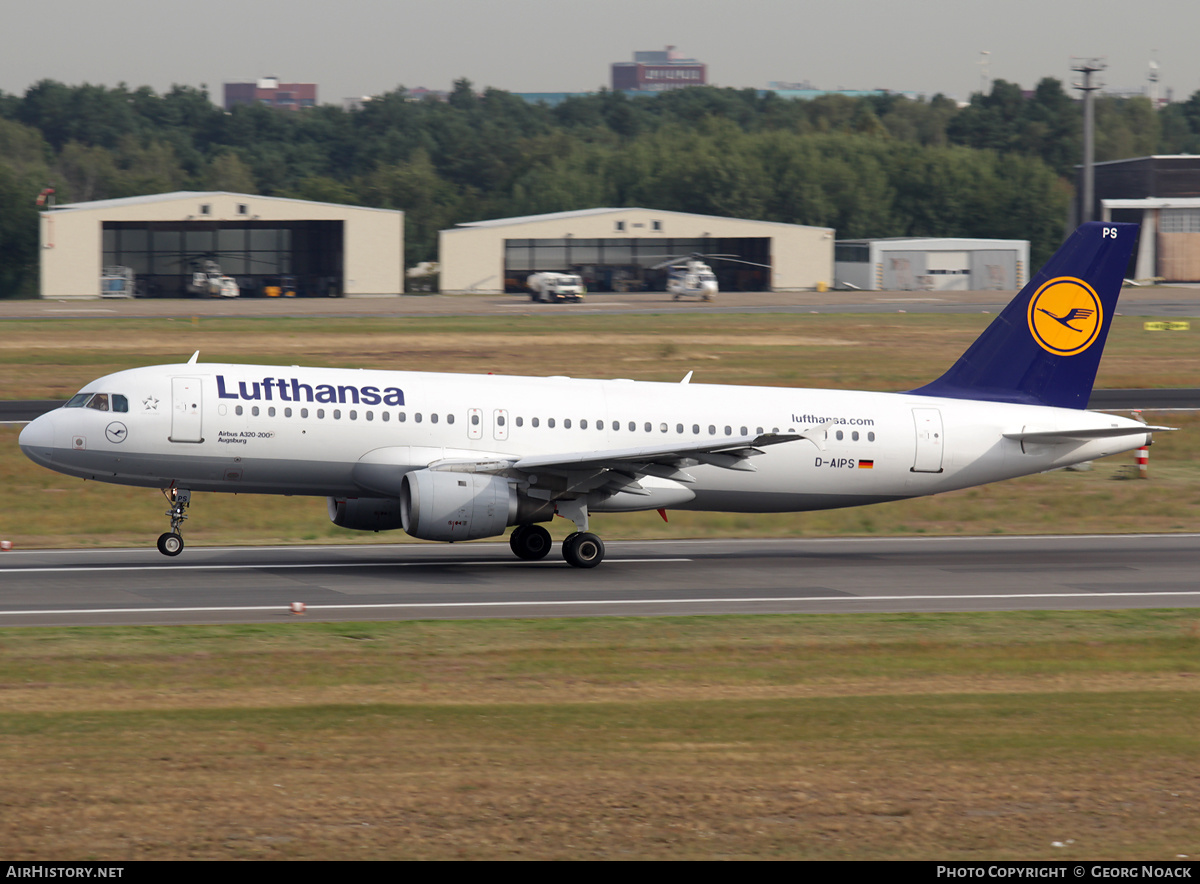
928, 423
186, 410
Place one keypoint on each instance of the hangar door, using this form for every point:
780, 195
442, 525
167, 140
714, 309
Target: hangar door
902, 271
166, 255
629, 263
994, 270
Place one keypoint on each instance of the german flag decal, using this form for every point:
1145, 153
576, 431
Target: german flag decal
866, 464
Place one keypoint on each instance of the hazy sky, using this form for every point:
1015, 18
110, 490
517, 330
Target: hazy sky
363, 47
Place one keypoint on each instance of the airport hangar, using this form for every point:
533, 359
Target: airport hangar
931, 264
326, 249
619, 249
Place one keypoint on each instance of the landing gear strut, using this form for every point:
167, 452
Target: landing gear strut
171, 543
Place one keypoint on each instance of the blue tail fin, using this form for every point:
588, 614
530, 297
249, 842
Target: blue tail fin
1044, 347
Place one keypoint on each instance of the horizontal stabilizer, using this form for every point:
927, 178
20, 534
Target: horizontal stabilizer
1084, 434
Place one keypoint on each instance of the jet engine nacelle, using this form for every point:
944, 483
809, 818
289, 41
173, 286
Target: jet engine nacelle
445, 505
365, 513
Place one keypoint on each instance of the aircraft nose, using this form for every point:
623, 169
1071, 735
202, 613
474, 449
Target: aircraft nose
37, 439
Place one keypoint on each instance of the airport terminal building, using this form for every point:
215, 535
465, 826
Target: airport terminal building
161, 241
626, 249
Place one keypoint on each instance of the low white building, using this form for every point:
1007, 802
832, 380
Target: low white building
931, 264
619, 249
317, 248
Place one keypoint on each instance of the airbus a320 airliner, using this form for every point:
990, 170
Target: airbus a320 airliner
458, 457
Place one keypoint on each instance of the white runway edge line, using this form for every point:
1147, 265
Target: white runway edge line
397, 606
168, 567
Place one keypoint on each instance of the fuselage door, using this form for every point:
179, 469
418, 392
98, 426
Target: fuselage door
474, 423
186, 410
928, 423
500, 424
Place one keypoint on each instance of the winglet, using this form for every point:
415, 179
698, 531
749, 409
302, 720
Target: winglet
1044, 347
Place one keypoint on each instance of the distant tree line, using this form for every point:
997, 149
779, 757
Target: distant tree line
1001, 166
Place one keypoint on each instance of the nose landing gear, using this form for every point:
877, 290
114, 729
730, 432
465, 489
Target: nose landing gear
171, 543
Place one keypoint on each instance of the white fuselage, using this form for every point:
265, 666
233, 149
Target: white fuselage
350, 433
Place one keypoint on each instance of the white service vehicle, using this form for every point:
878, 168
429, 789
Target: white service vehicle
547, 286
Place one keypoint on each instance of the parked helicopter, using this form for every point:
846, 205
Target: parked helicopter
689, 275
207, 279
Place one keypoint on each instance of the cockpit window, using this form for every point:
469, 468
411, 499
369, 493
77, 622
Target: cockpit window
99, 401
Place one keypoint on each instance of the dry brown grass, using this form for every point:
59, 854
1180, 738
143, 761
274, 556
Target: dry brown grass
911, 736
41, 359
931, 737
53, 359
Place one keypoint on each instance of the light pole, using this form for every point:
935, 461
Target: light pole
1087, 67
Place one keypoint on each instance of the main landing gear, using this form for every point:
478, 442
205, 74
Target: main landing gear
581, 549
530, 542
171, 543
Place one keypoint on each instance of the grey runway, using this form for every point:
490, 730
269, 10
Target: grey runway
676, 578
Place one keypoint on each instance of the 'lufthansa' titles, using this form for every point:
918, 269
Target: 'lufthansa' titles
292, 390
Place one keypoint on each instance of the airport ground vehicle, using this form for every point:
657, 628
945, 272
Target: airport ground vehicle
546, 286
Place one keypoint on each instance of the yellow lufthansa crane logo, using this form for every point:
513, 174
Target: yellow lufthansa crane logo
1065, 316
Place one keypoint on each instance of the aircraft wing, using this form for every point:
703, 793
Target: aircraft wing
731, 452
618, 469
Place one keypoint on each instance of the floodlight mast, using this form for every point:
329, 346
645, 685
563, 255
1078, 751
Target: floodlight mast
1087, 67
